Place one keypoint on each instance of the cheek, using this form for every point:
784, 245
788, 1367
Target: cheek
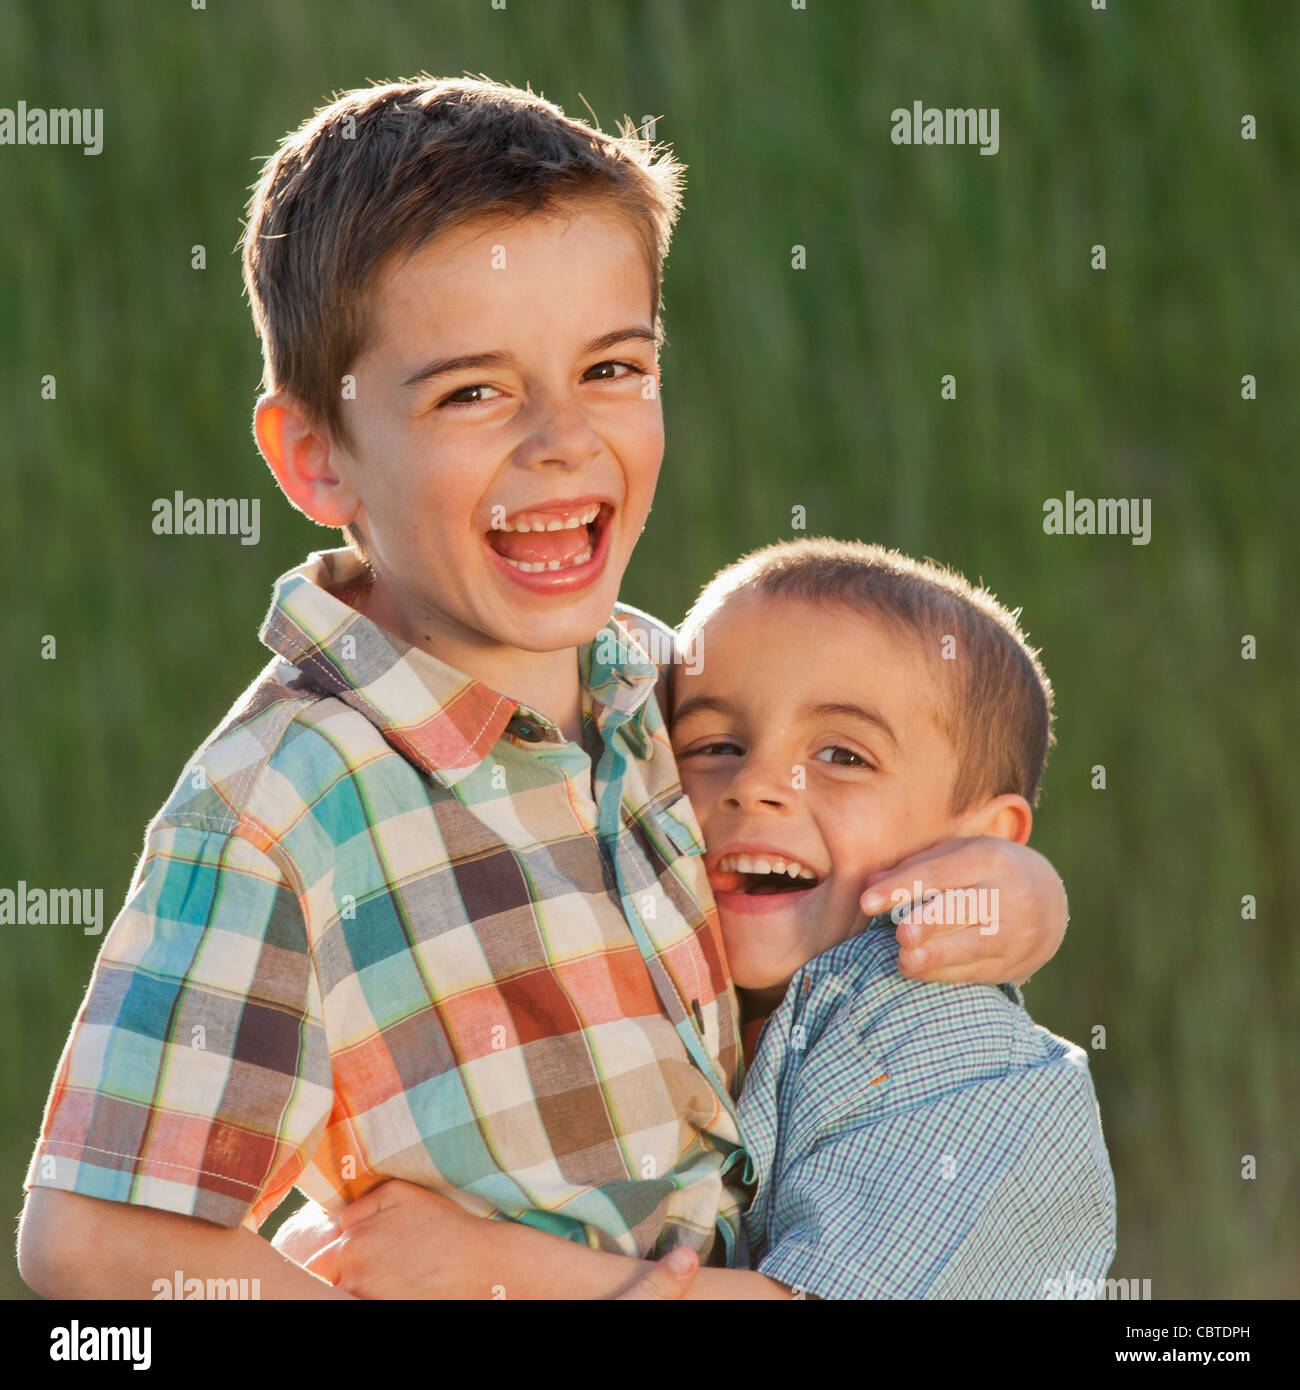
442, 503
643, 451
704, 784
859, 842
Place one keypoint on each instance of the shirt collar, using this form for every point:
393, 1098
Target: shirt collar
621, 676
439, 718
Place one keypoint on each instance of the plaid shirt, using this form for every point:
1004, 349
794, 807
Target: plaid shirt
391, 924
920, 1140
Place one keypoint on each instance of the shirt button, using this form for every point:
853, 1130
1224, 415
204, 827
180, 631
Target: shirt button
525, 729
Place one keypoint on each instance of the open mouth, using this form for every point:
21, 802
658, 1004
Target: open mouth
762, 876
551, 540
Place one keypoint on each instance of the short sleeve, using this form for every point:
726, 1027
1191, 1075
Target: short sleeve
197, 1077
993, 1190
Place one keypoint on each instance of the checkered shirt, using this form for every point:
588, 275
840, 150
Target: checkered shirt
392, 924
916, 1140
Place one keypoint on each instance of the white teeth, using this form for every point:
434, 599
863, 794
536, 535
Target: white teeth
539, 522
744, 864
539, 566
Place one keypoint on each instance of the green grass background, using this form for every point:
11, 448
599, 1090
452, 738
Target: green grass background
817, 388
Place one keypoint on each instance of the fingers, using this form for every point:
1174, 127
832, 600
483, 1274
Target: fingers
943, 890
393, 1193
943, 929
984, 909
667, 1279
950, 962
958, 946
965, 955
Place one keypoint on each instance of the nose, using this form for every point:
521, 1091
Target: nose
760, 785
558, 433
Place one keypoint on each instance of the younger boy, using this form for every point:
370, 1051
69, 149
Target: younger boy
846, 707
428, 906
910, 1140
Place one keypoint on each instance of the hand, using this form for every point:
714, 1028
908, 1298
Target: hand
1017, 923
666, 1279
405, 1241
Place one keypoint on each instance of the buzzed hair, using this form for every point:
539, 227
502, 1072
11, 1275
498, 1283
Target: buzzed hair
993, 699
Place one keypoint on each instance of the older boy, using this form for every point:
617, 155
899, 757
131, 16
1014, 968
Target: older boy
428, 906
907, 1140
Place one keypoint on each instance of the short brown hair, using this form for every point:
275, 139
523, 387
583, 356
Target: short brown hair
384, 169
994, 703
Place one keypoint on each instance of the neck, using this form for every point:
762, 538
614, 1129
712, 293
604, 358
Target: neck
546, 682
756, 1004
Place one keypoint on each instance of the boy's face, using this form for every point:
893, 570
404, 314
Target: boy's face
507, 430
807, 737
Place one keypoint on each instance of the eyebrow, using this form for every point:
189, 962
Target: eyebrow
705, 704
833, 709
828, 709
440, 366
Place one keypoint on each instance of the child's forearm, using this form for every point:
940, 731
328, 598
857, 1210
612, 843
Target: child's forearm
530, 1264
80, 1247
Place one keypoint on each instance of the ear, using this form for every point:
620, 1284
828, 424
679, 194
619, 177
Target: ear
302, 457
1007, 817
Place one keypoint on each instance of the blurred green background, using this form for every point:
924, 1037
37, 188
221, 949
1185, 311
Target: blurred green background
819, 388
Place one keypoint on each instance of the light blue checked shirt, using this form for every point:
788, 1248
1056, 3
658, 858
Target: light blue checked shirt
916, 1140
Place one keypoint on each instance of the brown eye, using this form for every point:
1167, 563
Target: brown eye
842, 757
610, 372
467, 395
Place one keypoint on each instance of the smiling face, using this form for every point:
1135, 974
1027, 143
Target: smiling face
809, 748
507, 432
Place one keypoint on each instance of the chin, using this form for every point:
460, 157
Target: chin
570, 629
748, 975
